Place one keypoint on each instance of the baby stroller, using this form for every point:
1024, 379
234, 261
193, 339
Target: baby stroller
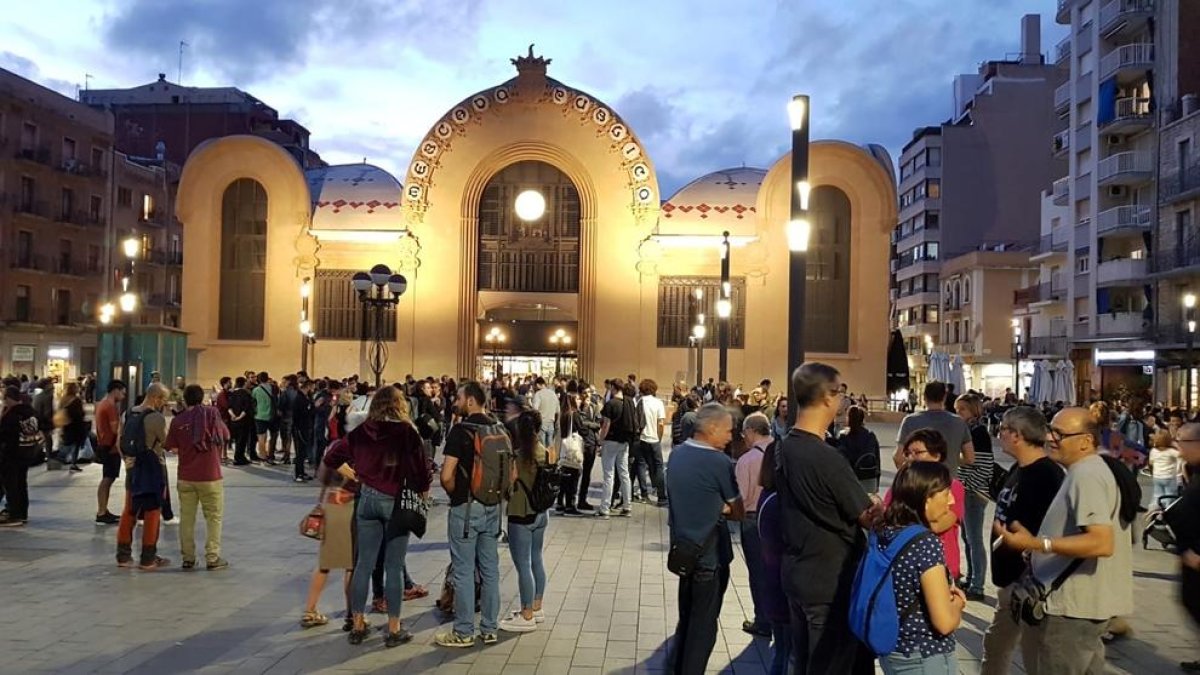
1158, 525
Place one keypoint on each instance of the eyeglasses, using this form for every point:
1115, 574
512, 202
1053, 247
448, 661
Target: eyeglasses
917, 453
1056, 436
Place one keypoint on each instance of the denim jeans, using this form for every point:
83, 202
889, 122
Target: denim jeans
547, 437
700, 596
650, 469
473, 543
781, 649
614, 458
525, 545
934, 664
371, 519
585, 476
1164, 487
972, 535
1001, 638
752, 550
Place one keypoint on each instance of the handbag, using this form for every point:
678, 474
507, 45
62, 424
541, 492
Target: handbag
1028, 601
313, 525
572, 448
87, 452
683, 557
409, 513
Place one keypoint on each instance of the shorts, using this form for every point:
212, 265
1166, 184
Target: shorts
261, 427
110, 462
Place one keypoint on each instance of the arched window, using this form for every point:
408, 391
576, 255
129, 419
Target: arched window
828, 290
967, 290
536, 255
243, 261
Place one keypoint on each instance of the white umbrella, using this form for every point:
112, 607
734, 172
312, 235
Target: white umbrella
932, 374
1045, 389
956, 375
1037, 383
1065, 382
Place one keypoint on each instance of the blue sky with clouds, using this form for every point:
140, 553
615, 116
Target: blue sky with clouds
702, 82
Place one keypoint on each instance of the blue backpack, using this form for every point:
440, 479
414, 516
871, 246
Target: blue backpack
874, 617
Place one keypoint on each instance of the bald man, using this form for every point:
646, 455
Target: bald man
145, 479
1082, 552
1184, 518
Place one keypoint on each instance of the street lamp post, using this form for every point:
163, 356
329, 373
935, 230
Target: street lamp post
494, 338
1016, 329
798, 230
307, 336
560, 340
724, 309
378, 289
1189, 305
698, 332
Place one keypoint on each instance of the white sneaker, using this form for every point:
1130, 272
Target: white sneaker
539, 616
518, 624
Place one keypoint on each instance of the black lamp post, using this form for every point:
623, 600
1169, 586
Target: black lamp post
798, 230
698, 332
560, 340
377, 290
1016, 328
724, 310
1189, 306
307, 336
128, 303
494, 338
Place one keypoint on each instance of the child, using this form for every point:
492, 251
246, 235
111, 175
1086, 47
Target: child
1165, 466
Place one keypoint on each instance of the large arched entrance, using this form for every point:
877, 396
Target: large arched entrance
528, 272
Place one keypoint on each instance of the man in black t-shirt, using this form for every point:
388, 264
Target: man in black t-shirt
614, 450
1025, 498
1184, 518
823, 509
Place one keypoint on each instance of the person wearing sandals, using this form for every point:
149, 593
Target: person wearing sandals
337, 543
527, 527
384, 455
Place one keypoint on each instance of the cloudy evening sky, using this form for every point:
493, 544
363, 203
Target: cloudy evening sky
702, 82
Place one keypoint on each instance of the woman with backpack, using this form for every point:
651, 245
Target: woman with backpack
928, 606
527, 523
928, 445
69, 417
860, 447
386, 457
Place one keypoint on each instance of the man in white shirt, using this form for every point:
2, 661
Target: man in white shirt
649, 448
545, 401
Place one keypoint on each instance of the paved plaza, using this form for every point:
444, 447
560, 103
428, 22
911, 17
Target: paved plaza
610, 602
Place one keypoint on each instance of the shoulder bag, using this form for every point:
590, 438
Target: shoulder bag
409, 513
313, 524
572, 447
1028, 601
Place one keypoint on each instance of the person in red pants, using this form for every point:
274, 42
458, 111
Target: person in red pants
142, 447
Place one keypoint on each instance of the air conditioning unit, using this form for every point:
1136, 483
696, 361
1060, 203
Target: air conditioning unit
1118, 191
1113, 140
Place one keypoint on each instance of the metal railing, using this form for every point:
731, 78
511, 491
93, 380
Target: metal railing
1062, 96
28, 261
1132, 107
1061, 141
39, 154
32, 207
1126, 56
1062, 51
1061, 190
1115, 11
1121, 270
1124, 163
1177, 257
1047, 345
1123, 217
1180, 184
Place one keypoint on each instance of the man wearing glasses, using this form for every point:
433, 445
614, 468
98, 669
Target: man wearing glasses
1184, 518
1082, 524
1025, 497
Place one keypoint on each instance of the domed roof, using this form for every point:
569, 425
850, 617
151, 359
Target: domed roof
725, 194
354, 197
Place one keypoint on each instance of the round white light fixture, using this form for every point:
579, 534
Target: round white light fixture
131, 247
128, 302
530, 205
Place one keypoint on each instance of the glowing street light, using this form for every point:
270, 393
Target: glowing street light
530, 205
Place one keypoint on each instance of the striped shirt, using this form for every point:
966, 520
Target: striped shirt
977, 477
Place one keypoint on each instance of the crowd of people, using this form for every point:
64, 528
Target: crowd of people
817, 537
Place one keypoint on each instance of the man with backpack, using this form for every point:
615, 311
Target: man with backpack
198, 436
20, 445
1082, 554
142, 445
478, 474
618, 427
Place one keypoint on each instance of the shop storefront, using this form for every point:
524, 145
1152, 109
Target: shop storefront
1126, 374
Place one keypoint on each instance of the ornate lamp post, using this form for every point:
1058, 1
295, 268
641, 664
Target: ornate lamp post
127, 302
724, 310
1189, 306
494, 338
560, 340
1016, 330
798, 230
377, 290
307, 335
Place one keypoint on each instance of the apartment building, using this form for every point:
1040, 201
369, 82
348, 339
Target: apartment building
973, 182
1115, 224
55, 215
145, 207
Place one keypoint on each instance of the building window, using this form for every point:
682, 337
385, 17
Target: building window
339, 314
62, 307
97, 159
68, 204
64, 256
931, 313
933, 189
28, 136
93, 258
28, 194
827, 292
243, 261
23, 309
1082, 264
124, 197
966, 336
538, 256
95, 206
677, 309
147, 207
68, 152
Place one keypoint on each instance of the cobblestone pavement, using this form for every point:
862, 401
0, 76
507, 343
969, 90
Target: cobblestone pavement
610, 602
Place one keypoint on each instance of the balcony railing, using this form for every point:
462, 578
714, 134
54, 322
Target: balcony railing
1062, 96
1132, 217
1138, 56
1125, 168
1063, 16
1062, 190
1062, 51
1061, 142
1120, 323
1121, 270
153, 217
158, 256
33, 208
20, 261
39, 154
909, 261
1176, 257
1180, 185
1046, 345
1116, 12
1132, 107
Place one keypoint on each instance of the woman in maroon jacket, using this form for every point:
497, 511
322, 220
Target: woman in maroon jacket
384, 455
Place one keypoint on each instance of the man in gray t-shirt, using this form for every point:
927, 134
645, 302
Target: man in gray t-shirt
1083, 523
950, 426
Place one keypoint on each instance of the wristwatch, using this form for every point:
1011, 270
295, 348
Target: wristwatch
1047, 545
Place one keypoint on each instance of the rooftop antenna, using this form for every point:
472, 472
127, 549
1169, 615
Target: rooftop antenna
87, 78
179, 78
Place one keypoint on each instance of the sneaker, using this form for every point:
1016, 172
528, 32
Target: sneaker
108, 518
976, 596
584, 506
9, 522
124, 563
603, 515
154, 564
299, 479
625, 512
453, 639
379, 605
572, 511
516, 624
218, 564
489, 638
540, 616
397, 639
76, 467
188, 564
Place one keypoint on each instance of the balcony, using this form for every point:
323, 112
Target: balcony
1176, 259
32, 208
1125, 168
153, 217
1061, 143
28, 261
1180, 186
1120, 18
1127, 62
37, 155
1115, 324
1062, 98
1062, 190
73, 268
158, 256
1083, 234
1062, 51
1131, 115
1047, 345
1121, 272
1063, 15
1083, 285
1133, 219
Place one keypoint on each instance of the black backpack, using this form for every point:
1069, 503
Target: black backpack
543, 494
133, 436
633, 418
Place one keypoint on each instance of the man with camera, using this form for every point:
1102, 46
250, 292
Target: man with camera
1081, 562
